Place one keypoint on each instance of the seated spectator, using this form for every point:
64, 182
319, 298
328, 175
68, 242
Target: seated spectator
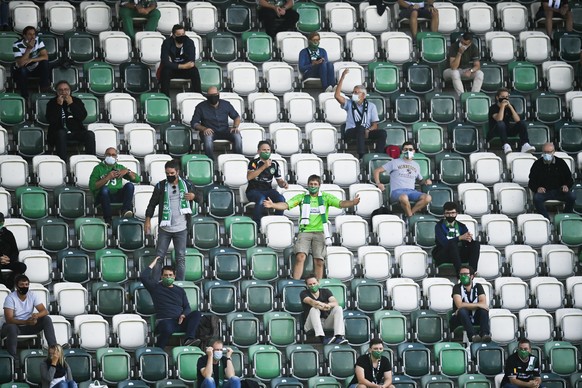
470, 306
31, 61
9, 256
215, 369
372, 368
555, 8
500, 115
106, 184
178, 60
313, 63
414, 9
19, 307
464, 64
65, 115
130, 9
522, 368
54, 371
277, 16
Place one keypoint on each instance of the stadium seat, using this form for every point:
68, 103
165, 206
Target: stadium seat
280, 328
130, 330
95, 16
478, 17
432, 47
205, 233
7, 39
547, 293
451, 358
559, 260
415, 359
244, 77
156, 108
74, 265
115, 47
91, 233
362, 47
71, 298
108, 298
562, 357
452, 168
407, 108
265, 362
152, 364
352, 231
243, 328
70, 202
264, 108
92, 331
30, 361
390, 230
558, 76
523, 76
518, 166
384, 77
310, 19
61, 16
568, 229
510, 198
504, 326
225, 263
397, 46
512, 293
210, 75
487, 168
13, 110
449, 18
222, 47
372, 22
257, 46
222, 297
140, 139
488, 358
536, 46
80, 363
53, 234
534, 229
569, 45
23, 14
303, 361
442, 107
498, 229
289, 44
21, 230
340, 17
522, 261
399, 291
332, 111
513, 17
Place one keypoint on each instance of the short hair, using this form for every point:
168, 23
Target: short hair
407, 143
467, 36
501, 90
524, 340
313, 35
314, 177
1, 217
21, 278
214, 340
448, 206
63, 82
263, 142
362, 88
310, 276
169, 268
28, 28
172, 164
471, 270
176, 28
376, 341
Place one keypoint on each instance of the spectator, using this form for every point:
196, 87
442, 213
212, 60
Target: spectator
9, 256
313, 63
314, 228
106, 184
413, 9
130, 9
211, 120
54, 371
4, 14
277, 16
178, 60
550, 178
31, 61
322, 311
555, 8
174, 197
362, 119
403, 173
261, 171
522, 369
373, 370
20, 317
65, 115
500, 115
173, 312
464, 64
215, 369
454, 243
470, 306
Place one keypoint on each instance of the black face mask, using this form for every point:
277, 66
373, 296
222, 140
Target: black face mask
171, 178
180, 39
450, 220
22, 290
213, 98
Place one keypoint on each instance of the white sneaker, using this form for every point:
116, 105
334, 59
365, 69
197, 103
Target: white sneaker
528, 148
329, 89
507, 148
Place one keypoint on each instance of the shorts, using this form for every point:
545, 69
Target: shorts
422, 13
313, 240
412, 194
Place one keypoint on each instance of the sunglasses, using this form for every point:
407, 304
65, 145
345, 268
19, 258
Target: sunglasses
174, 191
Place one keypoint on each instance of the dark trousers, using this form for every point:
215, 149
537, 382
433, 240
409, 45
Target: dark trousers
324, 72
106, 197
452, 253
274, 24
62, 136
17, 268
12, 331
463, 317
21, 74
556, 195
167, 74
503, 131
166, 327
359, 133
258, 197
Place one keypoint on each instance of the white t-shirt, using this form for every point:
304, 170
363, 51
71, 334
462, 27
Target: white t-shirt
23, 309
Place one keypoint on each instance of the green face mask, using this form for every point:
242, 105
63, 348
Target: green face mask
465, 280
313, 190
522, 353
265, 155
376, 354
167, 282
313, 46
314, 288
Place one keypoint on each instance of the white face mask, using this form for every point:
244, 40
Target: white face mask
409, 154
355, 97
217, 354
110, 160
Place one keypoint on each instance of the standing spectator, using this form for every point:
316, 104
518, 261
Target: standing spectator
522, 369
262, 170
178, 60
500, 115
174, 196
322, 311
362, 119
215, 369
470, 306
4, 14
20, 317
31, 61
130, 9
373, 370
54, 371
413, 9
550, 178
173, 312
464, 64
211, 120
65, 115
314, 228
9, 256
106, 184
555, 8
313, 63
277, 16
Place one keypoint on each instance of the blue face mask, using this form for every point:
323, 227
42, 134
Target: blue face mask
547, 157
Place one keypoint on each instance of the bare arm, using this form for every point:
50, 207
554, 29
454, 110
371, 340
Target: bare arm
266, 4
377, 172
42, 311
229, 370
361, 376
387, 379
207, 370
275, 205
338, 90
252, 174
352, 203
476, 65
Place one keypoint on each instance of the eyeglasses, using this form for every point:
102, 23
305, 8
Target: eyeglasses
174, 191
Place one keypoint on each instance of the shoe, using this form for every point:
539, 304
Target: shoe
127, 214
476, 338
329, 89
66, 345
528, 148
507, 149
192, 342
486, 338
328, 340
340, 340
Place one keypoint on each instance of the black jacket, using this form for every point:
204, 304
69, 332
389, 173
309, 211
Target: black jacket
550, 176
8, 245
54, 115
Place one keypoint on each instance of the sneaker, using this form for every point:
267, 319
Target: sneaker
328, 340
66, 345
506, 148
192, 342
476, 338
127, 214
528, 148
340, 340
486, 338
329, 89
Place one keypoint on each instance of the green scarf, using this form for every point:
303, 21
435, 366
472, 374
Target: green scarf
184, 206
306, 211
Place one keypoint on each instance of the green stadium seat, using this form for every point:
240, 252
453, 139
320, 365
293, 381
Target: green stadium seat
452, 168
32, 202
199, 169
433, 47
135, 77
436, 381
488, 358
280, 328
309, 17
569, 46
372, 161
419, 77
100, 77
473, 381
401, 381
220, 201
30, 361
425, 165
70, 202
185, 361
238, 18
323, 382
440, 194
92, 107
156, 108
53, 234
206, 233
357, 324
69, 74
177, 138
74, 266
6, 367
262, 263
576, 380
289, 291
407, 108
243, 328
422, 227
221, 296
39, 101
465, 138
258, 46
112, 265
265, 362
547, 107
340, 360
538, 134
493, 78
367, 295
192, 293
428, 326
442, 107
451, 358
129, 233
108, 298
337, 288
414, 358
241, 232
80, 46
222, 47
142, 300
30, 140
286, 382
380, 105
80, 362
303, 361
396, 133
238, 361
132, 384
570, 136
569, 228
391, 326
429, 137
476, 107
195, 270
12, 109
562, 357
226, 263
384, 77
7, 39
258, 296
523, 76
170, 384
552, 380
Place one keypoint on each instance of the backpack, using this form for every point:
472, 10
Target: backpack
208, 328
393, 151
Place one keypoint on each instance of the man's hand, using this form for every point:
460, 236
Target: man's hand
541, 190
208, 132
147, 226
188, 65
462, 49
284, 185
4, 260
467, 73
268, 203
466, 237
356, 199
344, 73
381, 186
228, 352
428, 182
280, 11
433, 11
31, 321
565, 189
267, 164
505, 103
416, 6
181, 319
209, 351
141, 11
123, 172
234, 130
189, 196
60, 100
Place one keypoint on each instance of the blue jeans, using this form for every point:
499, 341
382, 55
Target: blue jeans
106, 197
503, 131
179, 239
324, 71
513, 385
556, 194
258, 197
66, 384
10, 331
234, 138
166, 327
463, 317
233, 382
